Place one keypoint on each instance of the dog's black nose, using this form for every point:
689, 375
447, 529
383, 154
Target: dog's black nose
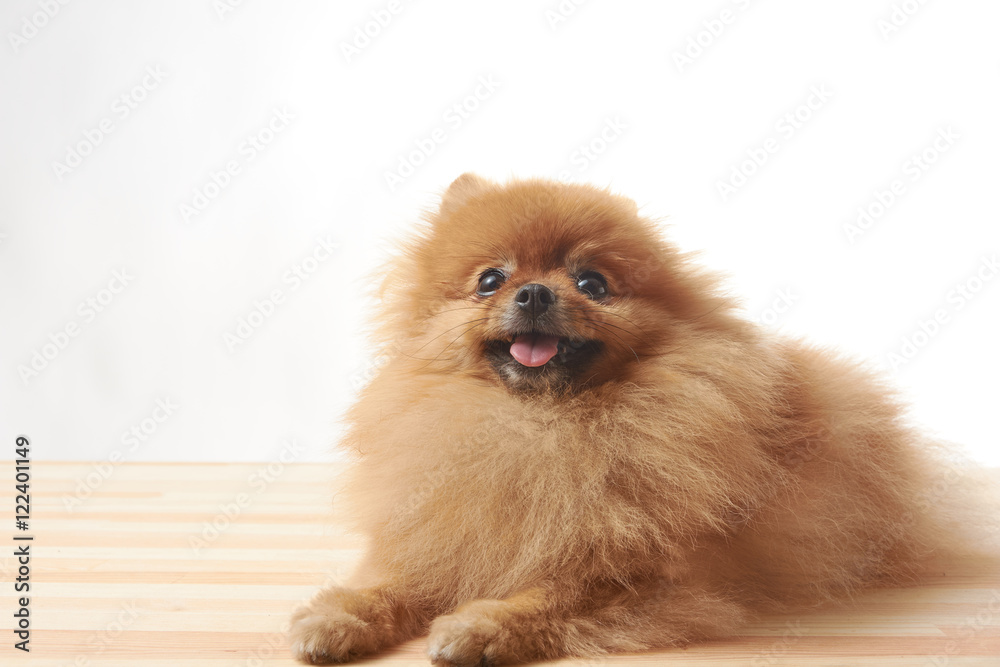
535, 299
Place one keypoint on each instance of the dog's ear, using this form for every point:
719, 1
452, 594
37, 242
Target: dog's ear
461, 190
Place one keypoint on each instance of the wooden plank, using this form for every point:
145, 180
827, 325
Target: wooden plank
117, 581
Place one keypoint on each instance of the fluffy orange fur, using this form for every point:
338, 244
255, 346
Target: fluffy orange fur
670, 475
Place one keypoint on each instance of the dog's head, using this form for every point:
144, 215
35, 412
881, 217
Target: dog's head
541, 285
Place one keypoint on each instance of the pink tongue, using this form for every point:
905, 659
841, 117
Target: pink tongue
534, 349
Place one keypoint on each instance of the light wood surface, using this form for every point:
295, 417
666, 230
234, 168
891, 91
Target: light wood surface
118, 580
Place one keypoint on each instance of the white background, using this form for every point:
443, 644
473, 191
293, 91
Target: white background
675, 131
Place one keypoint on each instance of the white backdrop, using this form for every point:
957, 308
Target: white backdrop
171, 169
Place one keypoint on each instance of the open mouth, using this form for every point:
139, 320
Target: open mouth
534, 349
541, 361
539, 350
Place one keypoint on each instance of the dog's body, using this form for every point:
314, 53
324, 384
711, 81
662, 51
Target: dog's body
578, 448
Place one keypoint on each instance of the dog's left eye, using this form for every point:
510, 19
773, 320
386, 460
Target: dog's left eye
490, 282
592, 284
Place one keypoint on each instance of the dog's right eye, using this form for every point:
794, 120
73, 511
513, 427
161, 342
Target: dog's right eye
490, 282
593, 284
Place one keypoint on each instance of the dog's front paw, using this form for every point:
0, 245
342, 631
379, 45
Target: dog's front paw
324, 638
464, 640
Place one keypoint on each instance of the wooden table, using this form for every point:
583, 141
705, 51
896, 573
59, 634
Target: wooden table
186, 565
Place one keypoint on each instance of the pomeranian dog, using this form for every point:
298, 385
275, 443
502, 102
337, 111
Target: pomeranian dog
578, 447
